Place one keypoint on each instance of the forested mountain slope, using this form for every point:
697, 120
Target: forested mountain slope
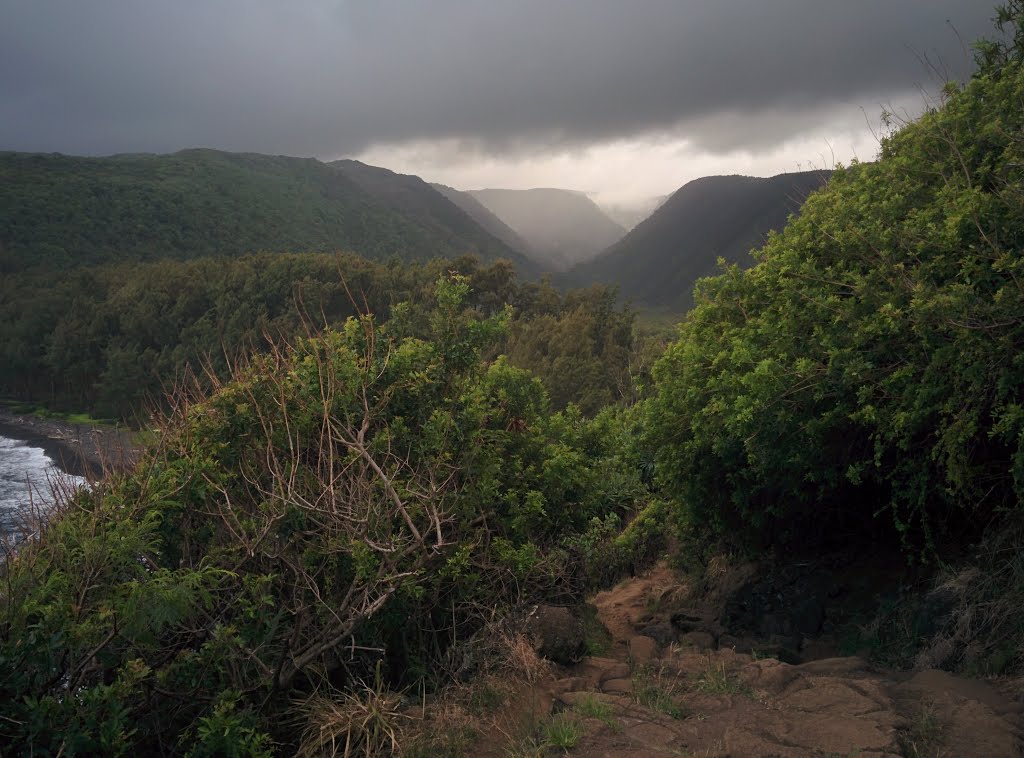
562, 227
658, 262
433, 209
484, 217
62, 211
357, 514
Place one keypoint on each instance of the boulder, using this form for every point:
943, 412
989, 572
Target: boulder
556, 633
618, 686
642, 649
699, 640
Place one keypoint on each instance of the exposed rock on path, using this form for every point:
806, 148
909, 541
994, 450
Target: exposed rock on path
691, 697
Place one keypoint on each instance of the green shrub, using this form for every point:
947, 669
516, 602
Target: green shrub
362, 496
864, 380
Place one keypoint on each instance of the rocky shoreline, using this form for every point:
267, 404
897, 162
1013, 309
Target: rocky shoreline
78, 449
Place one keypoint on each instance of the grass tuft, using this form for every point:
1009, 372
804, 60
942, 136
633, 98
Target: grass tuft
716, 680
922, 736
563, 731
597, 639
363, 722
655, 689
590, 707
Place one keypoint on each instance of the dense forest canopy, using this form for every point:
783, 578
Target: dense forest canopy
64, 211
114, 339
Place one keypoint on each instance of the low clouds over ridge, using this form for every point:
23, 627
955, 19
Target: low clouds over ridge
335, 78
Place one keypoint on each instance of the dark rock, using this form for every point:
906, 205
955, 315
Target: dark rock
785, 649
556, 634
699, 640
739, 644
785, 602
772, 624
596, 670
687, 621
809, 615
663, 634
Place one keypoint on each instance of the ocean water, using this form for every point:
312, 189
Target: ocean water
26, 475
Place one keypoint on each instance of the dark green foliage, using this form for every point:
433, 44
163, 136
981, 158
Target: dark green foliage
64, 211
580, 345
867, 376
609, 551
111, 338
115, 338
366, 489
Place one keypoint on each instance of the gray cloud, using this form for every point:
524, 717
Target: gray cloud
331, 78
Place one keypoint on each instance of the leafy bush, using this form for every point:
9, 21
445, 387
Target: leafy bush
870, 363
362, 498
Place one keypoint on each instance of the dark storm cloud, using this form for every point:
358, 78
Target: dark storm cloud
328, 78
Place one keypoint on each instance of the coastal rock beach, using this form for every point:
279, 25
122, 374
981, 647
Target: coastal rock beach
79, 449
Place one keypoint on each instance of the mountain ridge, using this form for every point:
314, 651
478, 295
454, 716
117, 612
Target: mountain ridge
657, 263
414, 196
561, 227
66, 211
483, 216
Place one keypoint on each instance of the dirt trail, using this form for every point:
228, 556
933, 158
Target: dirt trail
658, 697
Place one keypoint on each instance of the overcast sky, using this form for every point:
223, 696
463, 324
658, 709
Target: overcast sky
624, 99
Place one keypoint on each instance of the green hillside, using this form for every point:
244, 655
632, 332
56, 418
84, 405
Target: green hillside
64, 211
114, 339
483, 216
434, 210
